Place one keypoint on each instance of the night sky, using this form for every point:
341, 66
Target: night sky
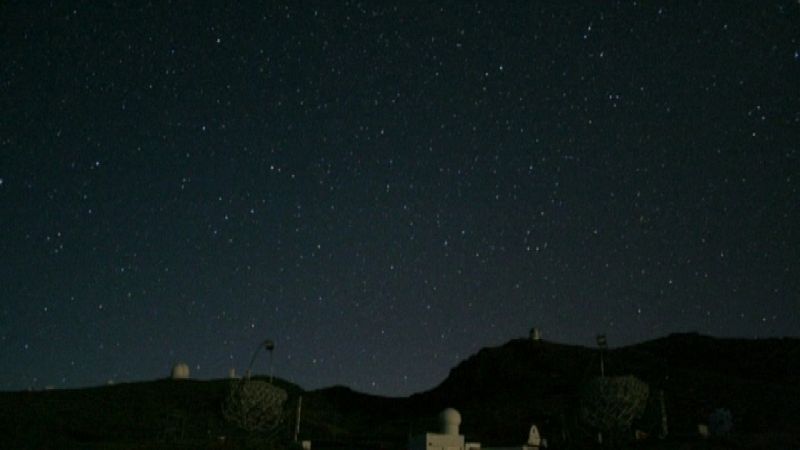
384, 190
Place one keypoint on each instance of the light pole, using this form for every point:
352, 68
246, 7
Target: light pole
603, 344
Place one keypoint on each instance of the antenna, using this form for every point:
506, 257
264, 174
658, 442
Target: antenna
269, 346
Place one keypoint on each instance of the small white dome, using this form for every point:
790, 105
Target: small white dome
450, 420
180, 371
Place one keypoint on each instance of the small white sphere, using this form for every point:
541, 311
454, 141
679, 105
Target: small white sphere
450, 420
180, 371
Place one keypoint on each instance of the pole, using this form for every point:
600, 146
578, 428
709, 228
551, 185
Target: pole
297, 420
664, 425
602, 365
602, 342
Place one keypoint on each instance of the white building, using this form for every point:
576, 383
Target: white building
450, 439
180, 371
447, 439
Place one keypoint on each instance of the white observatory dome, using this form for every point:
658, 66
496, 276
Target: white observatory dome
450, 420
180, 371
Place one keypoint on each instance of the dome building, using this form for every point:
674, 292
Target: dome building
447, 439
180, 371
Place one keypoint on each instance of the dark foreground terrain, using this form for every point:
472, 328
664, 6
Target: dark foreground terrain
499, 391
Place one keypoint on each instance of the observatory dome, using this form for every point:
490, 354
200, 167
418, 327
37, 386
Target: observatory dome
180, 371
450, 420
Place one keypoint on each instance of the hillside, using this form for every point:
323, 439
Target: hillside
500, 391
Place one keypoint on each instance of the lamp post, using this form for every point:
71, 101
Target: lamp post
267, 345
603, 344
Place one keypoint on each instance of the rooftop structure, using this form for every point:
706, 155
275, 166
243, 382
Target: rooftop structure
180, 371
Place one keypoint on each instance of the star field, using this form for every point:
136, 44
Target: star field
383, 190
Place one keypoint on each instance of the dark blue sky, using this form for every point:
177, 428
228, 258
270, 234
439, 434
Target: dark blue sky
384, 190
